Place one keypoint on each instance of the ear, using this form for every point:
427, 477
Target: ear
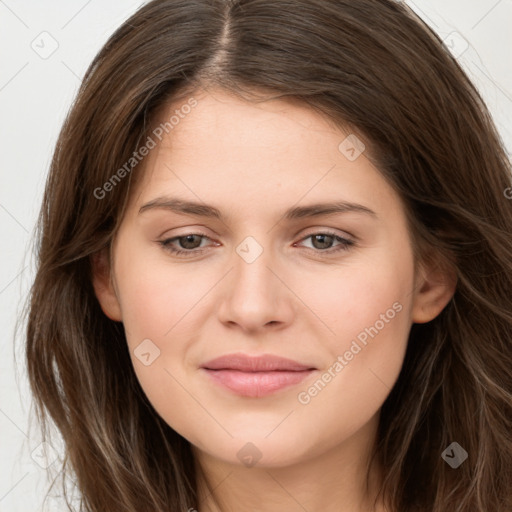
435, 285
103, 285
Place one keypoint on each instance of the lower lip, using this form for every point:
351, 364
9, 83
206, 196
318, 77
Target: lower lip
257, 384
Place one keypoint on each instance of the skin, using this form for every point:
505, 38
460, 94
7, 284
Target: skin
253, 162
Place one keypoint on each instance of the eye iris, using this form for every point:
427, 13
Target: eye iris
189, 241
323, 243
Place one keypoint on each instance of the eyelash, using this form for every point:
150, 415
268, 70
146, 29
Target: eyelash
344, 245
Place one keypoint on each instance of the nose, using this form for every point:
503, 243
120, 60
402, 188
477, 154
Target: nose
255, 295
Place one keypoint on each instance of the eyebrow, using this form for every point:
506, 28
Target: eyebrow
297, 212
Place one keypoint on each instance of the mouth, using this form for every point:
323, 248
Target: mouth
256, 376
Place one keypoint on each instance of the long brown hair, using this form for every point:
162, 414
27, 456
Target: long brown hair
368, 64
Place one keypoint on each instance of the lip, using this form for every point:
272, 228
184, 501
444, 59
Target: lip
256, 376
263, 363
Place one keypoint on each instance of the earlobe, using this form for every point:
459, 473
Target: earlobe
104, 287
434, 289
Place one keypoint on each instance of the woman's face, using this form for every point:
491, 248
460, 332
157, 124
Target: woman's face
262, 272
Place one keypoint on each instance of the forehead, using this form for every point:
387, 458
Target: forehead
226, 150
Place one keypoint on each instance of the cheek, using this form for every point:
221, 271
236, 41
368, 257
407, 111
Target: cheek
162, 308
157, 303
155, 298
367, 309
351, 300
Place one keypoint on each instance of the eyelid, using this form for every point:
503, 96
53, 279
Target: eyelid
333, 231
197, 229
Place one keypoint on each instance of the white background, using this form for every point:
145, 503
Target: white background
35, 94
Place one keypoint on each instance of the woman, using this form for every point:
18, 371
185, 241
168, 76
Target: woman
274, 267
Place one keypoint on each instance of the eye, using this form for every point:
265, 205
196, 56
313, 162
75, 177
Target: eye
189, 242
322, 242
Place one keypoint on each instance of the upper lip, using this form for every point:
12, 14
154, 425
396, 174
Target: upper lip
263, 363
